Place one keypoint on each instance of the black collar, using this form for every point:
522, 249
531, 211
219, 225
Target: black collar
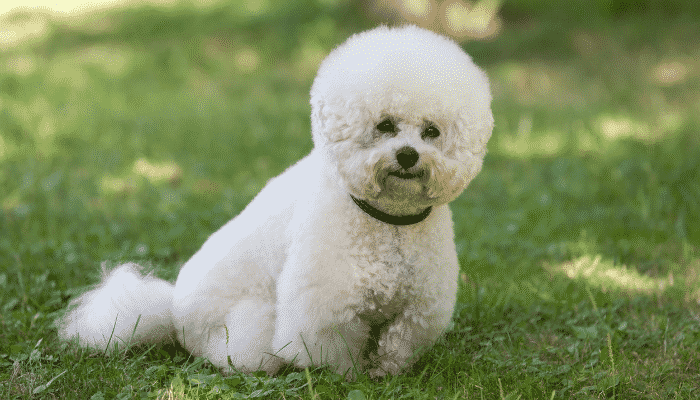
391, 219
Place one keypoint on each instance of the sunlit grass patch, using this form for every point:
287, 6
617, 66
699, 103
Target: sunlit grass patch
168, 172
618, 127
24, 28
604, 274
525, 145
672, 72
115, 185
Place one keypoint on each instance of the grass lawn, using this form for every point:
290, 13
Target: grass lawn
134, 136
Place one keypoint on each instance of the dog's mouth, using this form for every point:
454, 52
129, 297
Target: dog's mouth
406, 175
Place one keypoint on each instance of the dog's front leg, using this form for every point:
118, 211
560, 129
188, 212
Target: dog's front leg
411, 333
317, 323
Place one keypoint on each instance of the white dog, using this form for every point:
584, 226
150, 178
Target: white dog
346, 259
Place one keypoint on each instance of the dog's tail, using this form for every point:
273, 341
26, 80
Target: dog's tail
126, 308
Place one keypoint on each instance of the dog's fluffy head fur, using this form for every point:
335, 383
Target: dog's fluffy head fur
404, 115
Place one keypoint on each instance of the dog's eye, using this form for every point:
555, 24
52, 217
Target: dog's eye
386, 126
431, 131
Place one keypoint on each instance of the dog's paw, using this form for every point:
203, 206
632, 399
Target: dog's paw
376, 373
385, 367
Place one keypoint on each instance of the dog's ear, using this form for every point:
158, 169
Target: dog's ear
317, 122
473, 131
480, 132
334, 119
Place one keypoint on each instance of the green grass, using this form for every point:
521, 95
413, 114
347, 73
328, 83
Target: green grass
579, 242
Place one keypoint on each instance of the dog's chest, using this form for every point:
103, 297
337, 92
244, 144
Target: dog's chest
385, 263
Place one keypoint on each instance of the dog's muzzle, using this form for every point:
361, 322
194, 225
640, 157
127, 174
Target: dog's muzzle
407, 157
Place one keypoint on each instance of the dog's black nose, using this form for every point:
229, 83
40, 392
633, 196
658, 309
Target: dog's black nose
407, 157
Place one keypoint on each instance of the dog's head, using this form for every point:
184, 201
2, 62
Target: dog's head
404, 115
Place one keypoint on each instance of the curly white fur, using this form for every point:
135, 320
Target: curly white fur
303, 275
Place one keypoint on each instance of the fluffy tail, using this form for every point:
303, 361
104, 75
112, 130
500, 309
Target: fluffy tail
126, 308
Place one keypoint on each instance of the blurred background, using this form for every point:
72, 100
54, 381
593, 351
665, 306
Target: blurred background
133, 129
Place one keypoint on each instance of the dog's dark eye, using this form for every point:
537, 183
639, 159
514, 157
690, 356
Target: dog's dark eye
386, 126
431, 131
